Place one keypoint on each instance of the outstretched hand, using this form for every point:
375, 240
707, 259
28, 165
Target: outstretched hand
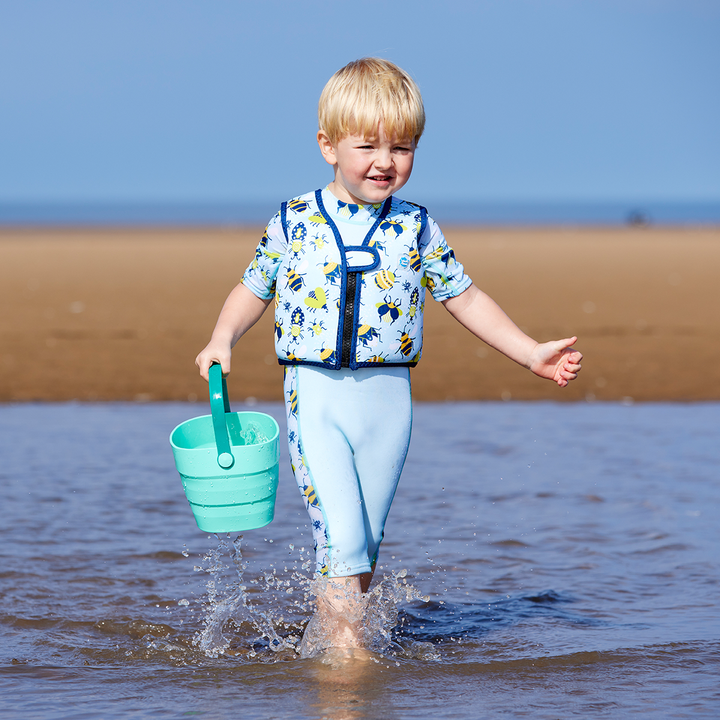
556, 360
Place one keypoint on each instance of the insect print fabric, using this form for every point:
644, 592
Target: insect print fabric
349, 280
302, 473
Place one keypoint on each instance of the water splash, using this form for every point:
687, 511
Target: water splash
377, 615
230, 616
252, 434
281, 623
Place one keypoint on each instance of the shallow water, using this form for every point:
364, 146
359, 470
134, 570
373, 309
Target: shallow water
569, 554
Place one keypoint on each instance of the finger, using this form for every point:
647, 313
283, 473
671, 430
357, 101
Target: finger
567, 342
568, 374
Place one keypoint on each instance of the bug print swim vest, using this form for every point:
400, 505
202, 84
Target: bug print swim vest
353, 298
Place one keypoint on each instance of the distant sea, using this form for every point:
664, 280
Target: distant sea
243, 213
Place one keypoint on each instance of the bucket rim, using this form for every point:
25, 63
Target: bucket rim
208, 417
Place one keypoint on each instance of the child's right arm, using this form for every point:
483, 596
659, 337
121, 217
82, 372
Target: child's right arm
241, 311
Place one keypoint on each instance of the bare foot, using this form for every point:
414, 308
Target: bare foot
337, 622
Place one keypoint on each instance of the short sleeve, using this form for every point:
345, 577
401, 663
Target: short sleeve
260, 277
444, 275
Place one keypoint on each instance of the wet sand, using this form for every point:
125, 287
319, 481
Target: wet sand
120, 314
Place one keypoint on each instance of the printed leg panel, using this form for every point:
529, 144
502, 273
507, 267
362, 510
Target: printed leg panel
302, 473
348, 434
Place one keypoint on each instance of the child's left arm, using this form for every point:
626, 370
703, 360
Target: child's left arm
483, 317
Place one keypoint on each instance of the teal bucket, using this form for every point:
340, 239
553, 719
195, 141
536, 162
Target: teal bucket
228, 464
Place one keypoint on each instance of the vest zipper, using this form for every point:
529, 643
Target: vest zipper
348, 319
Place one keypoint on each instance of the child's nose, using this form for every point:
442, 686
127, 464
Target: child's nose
383, 159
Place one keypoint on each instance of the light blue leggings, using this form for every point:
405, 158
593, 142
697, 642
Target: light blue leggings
348, 434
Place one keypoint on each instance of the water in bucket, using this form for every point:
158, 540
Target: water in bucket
228, 464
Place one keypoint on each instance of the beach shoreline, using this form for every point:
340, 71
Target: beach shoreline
100, 314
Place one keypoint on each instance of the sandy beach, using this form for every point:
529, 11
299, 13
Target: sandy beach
104, 314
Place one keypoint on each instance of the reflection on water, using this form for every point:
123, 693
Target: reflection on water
540, 559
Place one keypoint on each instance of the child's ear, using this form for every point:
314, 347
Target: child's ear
326, 148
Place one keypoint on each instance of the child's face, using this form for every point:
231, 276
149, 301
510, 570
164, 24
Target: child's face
368, 170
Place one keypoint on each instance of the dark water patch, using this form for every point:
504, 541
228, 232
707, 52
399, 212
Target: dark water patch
439, 622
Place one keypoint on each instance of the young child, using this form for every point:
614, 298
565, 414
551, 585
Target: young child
348, 267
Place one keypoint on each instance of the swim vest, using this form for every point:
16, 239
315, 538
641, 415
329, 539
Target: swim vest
350, 306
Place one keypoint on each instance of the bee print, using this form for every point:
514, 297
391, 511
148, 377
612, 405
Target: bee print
414, 300
376, 359
392, 226
293, 402
297, 319
297, 235
348, 210
295, 278
310, 496
262, 250
415, 261
406, 344
317, 327
318, 241
298, 205
388, 310
328, 355
428, 282
332, 272
367, 335
384, 279
278, 329
445, 253
317, 220
376, 242
449, 257
316, 299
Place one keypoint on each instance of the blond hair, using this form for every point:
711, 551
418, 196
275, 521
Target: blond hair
367, 92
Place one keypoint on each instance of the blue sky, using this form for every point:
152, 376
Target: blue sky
215, 101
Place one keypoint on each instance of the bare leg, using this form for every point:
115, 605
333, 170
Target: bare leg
338, 619
339, 611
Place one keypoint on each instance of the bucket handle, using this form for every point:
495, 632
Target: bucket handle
219, 406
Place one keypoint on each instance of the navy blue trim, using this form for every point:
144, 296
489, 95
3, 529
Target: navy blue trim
423, 224
384, 364
315, 363
356, 366
365, 249
383, 214
283, 220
